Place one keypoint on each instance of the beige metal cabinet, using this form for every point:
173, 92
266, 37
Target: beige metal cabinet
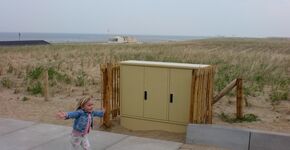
180, 86
133, 85
155, 95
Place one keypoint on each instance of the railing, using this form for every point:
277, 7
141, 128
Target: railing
239, 95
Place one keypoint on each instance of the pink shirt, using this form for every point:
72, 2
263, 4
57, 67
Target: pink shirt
87, 129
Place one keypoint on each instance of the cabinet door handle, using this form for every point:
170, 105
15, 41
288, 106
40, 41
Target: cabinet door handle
171, 98
145, 95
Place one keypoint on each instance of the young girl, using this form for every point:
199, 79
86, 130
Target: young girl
83, 122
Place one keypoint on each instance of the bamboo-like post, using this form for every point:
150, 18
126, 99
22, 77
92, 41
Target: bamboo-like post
104, 85
118, 89
195, 104
192, 97
106, 94
114, 92
102, 70
210, 95
200, 95
109, 93
239, 98
45, 89
200, 109
204, 97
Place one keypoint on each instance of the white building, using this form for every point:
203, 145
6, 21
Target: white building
122, 39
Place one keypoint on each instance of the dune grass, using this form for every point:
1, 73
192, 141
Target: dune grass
264, 64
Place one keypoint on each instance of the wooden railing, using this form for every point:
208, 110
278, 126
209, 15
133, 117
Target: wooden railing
239, 95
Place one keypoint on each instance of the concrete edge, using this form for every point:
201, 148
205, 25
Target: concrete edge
257, 139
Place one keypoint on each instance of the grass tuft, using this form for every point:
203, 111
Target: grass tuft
246, 118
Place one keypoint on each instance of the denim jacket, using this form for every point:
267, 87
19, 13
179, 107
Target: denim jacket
81, 118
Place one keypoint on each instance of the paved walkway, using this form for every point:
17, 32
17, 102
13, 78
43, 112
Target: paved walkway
25, 135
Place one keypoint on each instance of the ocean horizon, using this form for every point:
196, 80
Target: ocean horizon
79, 37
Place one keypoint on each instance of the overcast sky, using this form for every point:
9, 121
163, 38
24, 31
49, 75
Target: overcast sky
245, 18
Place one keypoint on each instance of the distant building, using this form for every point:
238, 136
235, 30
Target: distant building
122, 39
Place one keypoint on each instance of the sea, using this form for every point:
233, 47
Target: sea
99, 38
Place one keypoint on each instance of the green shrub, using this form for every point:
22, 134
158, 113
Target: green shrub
246, 118
35, 88
280, 89
35, 73
52, 73
278, 95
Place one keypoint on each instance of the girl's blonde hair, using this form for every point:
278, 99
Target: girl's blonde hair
82, 102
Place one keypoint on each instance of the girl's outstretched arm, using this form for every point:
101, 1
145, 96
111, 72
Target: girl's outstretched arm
68, 115
61, 115
99, 113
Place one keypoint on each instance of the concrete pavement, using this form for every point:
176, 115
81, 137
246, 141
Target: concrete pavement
25, 135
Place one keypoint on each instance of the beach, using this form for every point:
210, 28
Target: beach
264, 65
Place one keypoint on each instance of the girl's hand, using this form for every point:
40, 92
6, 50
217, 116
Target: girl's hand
61, 115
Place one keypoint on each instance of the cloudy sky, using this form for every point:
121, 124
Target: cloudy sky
244, 18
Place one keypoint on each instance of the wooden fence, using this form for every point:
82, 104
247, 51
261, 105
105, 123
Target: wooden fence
111, 91
201, 95
239, 96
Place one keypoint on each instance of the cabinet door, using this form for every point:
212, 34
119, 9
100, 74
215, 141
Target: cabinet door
132, 84
156, 87
179, 101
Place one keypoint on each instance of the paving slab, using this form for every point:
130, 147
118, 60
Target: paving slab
60, 143
269, 141
99, 141
200, 147
10, 125
32, 136
22, 135
224, 137
139, 143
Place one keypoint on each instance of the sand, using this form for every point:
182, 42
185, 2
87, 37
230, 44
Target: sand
36, 109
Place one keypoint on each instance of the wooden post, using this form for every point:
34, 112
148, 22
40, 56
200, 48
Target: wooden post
45, 89
114, 92
210, 94
239, 98
107, 94
118, 89
191, 108
196, 98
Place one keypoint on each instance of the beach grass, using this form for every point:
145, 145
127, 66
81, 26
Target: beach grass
264, 64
